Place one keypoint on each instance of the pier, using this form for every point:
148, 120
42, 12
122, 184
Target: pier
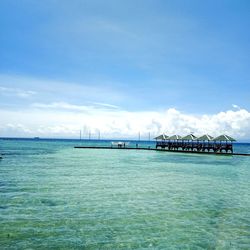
160, 150
206, 144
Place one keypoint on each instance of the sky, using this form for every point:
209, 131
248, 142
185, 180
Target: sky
124, 67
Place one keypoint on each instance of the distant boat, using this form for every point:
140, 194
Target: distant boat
36, 138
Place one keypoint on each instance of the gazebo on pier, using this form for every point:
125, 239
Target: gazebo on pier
174, 142
189, 142
223, 142
205, 143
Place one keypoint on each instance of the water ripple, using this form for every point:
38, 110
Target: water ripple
55, 197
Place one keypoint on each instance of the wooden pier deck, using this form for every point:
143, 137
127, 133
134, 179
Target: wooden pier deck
161, 150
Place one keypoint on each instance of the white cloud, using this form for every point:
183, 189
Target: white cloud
61, 106
96, 92
106, 105
65, 120
64, 106
16, 92
236, 106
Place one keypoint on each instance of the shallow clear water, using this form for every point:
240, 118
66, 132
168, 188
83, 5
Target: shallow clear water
53, 196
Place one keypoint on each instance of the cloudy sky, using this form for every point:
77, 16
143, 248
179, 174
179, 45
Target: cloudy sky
120, 67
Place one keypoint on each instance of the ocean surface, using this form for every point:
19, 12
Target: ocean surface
53, 196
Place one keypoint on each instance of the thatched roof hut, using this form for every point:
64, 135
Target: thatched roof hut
205, 137
189, 137
161, 137
175, 137
224, 138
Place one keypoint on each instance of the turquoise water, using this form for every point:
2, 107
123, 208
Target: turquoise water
53, 196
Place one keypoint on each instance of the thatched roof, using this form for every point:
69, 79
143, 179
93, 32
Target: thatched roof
205, 138
224, 138
189, 137
161, 137
175, 137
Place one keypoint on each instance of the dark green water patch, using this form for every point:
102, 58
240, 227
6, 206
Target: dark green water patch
51, 203
3, 207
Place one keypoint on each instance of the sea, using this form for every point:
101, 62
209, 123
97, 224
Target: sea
55, 196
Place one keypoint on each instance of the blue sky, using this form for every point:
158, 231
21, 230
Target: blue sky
135, 56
